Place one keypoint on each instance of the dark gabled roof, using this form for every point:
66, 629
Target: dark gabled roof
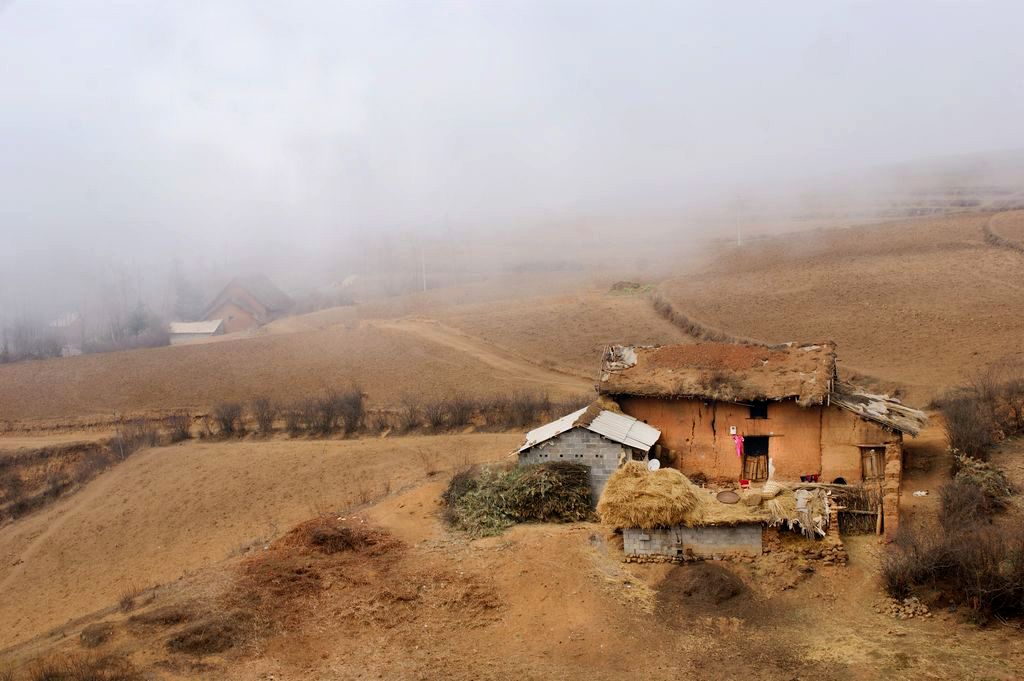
722, 371
259, 287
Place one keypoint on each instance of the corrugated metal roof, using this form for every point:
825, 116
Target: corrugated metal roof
625, 429
614, 426
209, 327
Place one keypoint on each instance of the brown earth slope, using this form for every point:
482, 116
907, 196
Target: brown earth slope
921, 302
171, 510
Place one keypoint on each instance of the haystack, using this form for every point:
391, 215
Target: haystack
636, 497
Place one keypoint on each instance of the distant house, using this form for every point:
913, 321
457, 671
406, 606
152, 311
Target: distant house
246, 303
597, 437
729, 412
184, 332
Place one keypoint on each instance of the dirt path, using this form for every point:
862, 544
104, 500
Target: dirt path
502, 361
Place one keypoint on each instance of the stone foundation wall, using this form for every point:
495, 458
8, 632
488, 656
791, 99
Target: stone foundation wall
694, 541
581, 446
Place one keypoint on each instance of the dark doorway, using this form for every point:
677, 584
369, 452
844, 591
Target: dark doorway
755, 458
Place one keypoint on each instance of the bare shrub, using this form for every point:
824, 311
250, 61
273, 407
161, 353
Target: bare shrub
460, 410
977, 565
380, 422
526, 409
434, 414
264, 412
326, 413
129, 594
429, 461
179, 426
962, 504
134, 434
228, 416
214, 634
352, 409
96, 634
968, 423
293, 420
411, 415
103, 668
11, 486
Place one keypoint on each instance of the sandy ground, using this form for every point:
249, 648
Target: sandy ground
171, 510
921, 302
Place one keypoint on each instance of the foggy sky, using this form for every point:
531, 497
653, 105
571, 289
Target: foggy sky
222, 127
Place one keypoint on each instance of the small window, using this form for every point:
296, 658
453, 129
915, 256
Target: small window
759, 410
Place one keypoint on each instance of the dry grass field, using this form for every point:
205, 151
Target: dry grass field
385, 361
171, 510
921, 302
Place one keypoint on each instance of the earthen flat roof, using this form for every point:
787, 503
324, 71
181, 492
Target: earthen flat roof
722, 371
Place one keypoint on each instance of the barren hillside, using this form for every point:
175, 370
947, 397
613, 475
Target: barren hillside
175, 509
920, 302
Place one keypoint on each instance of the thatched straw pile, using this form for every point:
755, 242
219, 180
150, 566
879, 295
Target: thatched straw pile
636, 497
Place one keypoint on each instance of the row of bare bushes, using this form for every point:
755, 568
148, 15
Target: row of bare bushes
987, 410
345, 412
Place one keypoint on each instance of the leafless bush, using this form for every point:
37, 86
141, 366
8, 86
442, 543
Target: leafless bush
460, 410
11, 486
96, 634
434, 413
568, 405
380, 422
327, 413
100, 668
962, 505
969, 424
127, 597
228, 416
264, 411
352, 409
527, 409
429, 461
293, 420
134, 434
179, 426
976, 564
411, 415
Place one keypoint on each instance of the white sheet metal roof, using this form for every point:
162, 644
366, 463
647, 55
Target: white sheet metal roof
195, 327
614, 426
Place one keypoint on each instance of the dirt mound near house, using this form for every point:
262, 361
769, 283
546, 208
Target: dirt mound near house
700, 589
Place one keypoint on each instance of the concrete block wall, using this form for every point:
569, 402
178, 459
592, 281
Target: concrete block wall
696, 541
580, 446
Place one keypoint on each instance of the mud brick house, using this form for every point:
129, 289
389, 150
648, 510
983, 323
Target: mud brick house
594, 436
246, 303
730, 412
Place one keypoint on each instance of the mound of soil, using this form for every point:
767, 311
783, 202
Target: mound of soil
698, 589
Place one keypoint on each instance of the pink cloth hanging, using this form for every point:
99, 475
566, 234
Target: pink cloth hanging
738, 439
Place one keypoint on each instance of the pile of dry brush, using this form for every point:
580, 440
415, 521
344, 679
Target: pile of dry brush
487, 501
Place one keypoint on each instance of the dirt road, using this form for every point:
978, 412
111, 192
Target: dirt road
500, 360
